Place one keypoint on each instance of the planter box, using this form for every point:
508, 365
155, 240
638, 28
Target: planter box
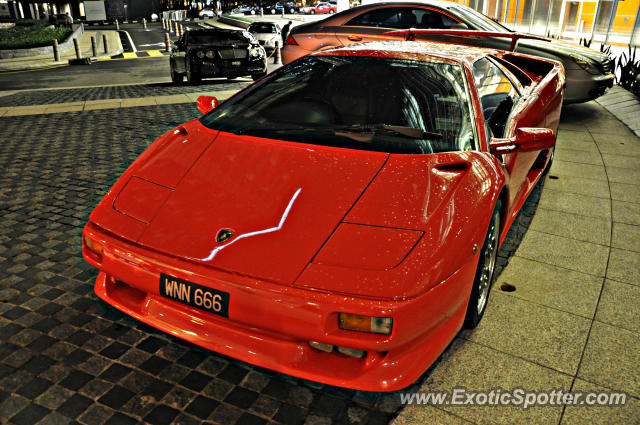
44, 50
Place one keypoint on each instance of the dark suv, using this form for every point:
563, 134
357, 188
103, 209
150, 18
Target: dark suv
217, 53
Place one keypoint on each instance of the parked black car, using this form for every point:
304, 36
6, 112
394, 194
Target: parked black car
289, 7
216, 53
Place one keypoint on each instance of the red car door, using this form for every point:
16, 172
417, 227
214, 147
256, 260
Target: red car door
508, 105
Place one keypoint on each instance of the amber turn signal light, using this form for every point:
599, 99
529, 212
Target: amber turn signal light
371, 324
95, 247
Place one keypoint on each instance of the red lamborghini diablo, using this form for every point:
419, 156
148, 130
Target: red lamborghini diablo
339, 219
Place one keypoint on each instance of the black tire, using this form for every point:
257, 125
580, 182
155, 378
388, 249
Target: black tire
258, 76
273, 11
292, 11
313, 12
331, 12
193, 77
176, 77
484, 273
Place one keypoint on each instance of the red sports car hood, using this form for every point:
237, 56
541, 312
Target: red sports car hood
278, 202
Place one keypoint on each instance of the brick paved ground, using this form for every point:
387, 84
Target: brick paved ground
42, 97
66, 356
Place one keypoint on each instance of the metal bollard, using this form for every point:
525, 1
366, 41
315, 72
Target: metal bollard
170, 26
181, 30
56, 52
117, 25
167, 42
276, 55
261, 12
94, 47
77, 47
164, 24
104, 43
283, 11
144, 23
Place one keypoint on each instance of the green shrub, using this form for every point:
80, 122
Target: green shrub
31, 33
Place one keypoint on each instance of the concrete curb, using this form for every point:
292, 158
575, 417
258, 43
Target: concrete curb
623, 105
44, 50
46, 60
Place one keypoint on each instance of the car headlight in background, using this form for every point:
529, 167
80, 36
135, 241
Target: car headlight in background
200, 54
255, 52
210, 54
587, 65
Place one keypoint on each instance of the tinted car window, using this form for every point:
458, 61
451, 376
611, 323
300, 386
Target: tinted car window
378, 104
496, 92
403, 17
390, 17
430, 19
477, 20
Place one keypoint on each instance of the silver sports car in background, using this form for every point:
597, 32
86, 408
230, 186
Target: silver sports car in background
588, 72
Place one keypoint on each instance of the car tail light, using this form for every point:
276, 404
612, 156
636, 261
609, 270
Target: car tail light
94, 247
291, 41
371, 324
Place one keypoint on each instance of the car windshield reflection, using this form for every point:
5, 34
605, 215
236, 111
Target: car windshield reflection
378, 104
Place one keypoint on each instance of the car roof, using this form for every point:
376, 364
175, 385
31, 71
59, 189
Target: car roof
213, 31
439, 3
416, 50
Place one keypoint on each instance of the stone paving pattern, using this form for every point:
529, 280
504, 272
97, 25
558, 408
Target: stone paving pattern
42, 97
67, 357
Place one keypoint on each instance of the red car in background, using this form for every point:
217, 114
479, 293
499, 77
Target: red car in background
319, 8
339, 219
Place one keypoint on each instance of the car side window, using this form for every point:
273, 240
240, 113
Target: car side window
403, 17
497, 95
428, 19
388, 17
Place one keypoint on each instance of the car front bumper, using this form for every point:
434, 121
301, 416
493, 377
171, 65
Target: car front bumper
583, 87
270, 325
229, 68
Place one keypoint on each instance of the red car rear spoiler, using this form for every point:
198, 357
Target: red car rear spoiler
514, 36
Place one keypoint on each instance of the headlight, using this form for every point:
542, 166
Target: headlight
255, 52
210, 54
587, 65
200, 54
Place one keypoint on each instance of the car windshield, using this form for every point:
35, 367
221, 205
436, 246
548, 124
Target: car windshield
478, 20
366, 103
262, 28
213, 36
